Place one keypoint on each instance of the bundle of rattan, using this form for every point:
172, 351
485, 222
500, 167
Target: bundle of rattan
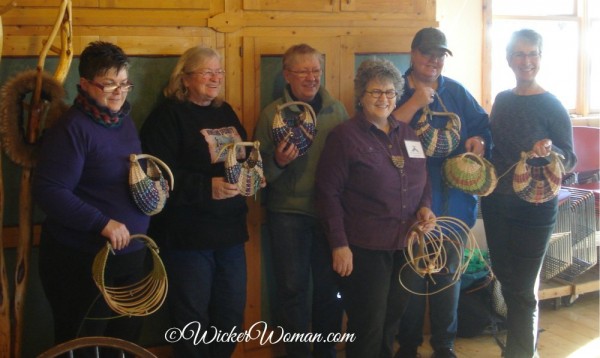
470, 173
139, 299
15, 112
426, 252
538, 183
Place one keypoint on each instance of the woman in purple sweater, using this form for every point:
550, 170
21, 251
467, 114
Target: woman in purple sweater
81, 183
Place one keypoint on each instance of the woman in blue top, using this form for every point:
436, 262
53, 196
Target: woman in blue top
81, 183
525, 118
425, 86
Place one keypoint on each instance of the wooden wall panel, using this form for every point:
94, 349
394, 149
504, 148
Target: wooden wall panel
240, 30
155, 4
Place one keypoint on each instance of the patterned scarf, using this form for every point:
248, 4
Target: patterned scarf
100, 114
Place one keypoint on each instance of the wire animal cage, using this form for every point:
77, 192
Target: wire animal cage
559, 256
571, 255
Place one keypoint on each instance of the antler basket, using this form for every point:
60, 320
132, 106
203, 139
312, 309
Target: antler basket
470, 173
538, 184
139, 299
438, 142
149, 189
247, 175
298, 128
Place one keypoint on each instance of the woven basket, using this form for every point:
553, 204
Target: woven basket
247, 175
538, 184
438, 142
139, 299
149, 189
470, 173
296, 127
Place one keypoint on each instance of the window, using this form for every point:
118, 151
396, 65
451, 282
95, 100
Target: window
570, 67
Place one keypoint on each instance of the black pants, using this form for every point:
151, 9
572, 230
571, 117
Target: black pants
374, 301
77, 305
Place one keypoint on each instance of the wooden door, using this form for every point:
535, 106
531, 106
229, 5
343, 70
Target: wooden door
263, 83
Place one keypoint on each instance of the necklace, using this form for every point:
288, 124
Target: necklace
397, 160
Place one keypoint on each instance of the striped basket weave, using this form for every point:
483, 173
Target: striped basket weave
247, 175
470, 173
149, 189
538, 184
295, 122
438, 142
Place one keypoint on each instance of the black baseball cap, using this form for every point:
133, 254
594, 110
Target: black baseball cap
428, 39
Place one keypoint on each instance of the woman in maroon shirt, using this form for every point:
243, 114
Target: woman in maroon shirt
371, 187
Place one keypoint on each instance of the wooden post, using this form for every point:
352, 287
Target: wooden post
5, 329
64, 25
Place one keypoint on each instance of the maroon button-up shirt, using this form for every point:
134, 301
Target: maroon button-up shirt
363, 199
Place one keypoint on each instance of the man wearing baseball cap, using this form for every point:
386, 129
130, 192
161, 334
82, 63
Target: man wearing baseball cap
441, 137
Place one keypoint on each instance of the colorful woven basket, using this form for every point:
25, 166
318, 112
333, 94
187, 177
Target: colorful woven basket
538, 184
438, 142
149, 189
247, 175
295, 122
470, 173
139, 299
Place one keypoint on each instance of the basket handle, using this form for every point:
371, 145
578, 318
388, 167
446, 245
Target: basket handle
301, 104
135, 157
145, 238
474, 157
255, 144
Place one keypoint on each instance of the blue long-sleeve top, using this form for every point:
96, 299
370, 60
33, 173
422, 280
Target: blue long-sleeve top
474, 122
81, 181
518, 122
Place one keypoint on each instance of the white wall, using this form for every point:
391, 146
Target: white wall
462, 22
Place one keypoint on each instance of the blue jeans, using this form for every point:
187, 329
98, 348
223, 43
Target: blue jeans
207, 286
443, 305
299, 249
517, 234
374, 301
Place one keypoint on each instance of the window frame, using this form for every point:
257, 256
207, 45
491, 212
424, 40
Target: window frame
583, 21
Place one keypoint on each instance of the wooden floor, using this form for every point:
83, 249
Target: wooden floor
572, 332
568, 332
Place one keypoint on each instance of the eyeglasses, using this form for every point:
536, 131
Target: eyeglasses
519, 55
306, 73
208, 73
389, 94
124, 87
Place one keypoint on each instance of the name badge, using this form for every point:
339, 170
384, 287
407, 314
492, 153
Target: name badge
414, 149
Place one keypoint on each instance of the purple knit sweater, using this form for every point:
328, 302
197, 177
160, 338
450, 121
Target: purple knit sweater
81, 181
